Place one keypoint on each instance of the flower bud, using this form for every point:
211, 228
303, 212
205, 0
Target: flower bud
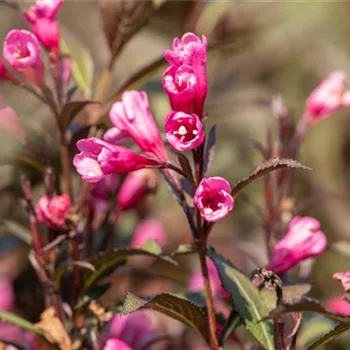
339, 305
135, 187
148, 229
22, 52
42, 19
184, 131
304, 239
116, 344
213, 198
132, 116
331, 95
53, 211
196, 281
98, 158
344, 279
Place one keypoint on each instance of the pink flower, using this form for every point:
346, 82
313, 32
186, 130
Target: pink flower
42, 19
98, 158
136, 329
339, 305
22, 52
184, 131
135, 187
213, 198
196, 281
331, 95
7, 296
133, 117
116, 344
116, 136
188, 50
303, 240
53, 211
10, 123
148, 229
344, 279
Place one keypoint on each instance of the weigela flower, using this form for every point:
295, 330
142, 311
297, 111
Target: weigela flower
196, 281
132, 116
22, 52
339, 305
116, 136
331, 95
98, 158
42, 19
53, 211
148, 229
304, 239
135, 187
344, 279
184, 131
116, 344
213, 198
7, 295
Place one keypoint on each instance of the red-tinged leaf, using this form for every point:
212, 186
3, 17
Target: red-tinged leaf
265, 168
209, 149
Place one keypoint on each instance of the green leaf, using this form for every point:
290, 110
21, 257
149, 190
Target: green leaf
185, 249
71, 110
177, 308
335, 332
82, 66
232, 323
246, 299
265, 168
308, 305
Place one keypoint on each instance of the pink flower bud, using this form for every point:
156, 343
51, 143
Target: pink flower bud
132, 116
7, 295
115, 136
22, 52
213, 198
53, 211
135, 187
339, 305
188, 50
98, 158
184, 131
116, 344
344, 279
196, 281
148, 229
10, 123
136, 329
304, 239
331, 95
42, 19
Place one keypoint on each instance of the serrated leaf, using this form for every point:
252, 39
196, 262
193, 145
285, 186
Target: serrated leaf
71, 110
308, 305
335, 332
246, 299
209, 149
265, 168
177, 308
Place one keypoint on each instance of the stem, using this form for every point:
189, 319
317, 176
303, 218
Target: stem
75, 257
202, 252
175, 168
66, 164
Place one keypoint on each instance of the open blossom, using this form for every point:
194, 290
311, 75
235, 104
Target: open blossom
344, 279
148, 229
332, 94
188, 62
196, 281
213, 198
184, 131
116, 344
22, 52
135, 330
42, 19
133, 117
339, 305
135, 187
304, 239
53, 211
98, 158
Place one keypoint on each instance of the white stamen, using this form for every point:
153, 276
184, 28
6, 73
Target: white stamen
182, 130
195, 132
207, 211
